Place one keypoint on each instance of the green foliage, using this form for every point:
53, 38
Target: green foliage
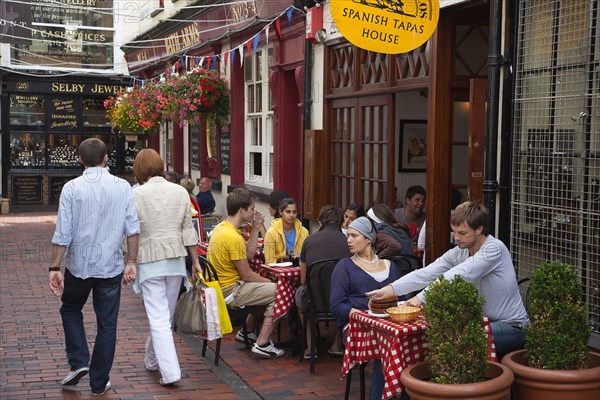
559, 330
457, 343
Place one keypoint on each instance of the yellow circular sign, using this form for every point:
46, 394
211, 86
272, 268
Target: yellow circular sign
390, 26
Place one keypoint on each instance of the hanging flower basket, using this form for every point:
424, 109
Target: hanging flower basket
196, 94
186, 97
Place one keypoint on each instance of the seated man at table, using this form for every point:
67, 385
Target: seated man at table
227, 252
328, 243
479, 258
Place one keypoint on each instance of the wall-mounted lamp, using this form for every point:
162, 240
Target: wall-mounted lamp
579, 116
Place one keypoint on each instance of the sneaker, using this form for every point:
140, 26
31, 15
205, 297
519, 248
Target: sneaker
163, 383
239, 337
268, 350
106, 389
74, 376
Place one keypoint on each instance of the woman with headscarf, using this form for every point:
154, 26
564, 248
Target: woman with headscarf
356, 275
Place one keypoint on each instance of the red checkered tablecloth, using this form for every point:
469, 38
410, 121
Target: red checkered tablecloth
288, 281
398, 345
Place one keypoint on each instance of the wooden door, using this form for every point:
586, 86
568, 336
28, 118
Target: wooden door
362, 150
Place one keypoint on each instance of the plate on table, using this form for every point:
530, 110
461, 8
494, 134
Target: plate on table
372, 314
281, 264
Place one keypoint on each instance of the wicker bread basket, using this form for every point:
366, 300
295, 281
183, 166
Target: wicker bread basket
403, 313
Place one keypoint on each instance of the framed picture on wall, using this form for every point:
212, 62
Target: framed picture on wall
413, 146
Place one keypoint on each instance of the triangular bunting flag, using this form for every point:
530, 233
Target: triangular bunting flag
225, 58
241, 51
201, 62
249, 47
255, 43
214, 63
278, 28
289, 15
232, 56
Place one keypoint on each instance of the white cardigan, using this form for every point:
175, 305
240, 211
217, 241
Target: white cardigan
165, 220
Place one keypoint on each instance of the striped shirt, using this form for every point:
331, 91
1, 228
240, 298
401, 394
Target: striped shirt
95, 211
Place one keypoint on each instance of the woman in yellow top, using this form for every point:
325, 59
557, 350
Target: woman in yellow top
286, 234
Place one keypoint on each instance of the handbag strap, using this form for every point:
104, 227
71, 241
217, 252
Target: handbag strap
208, 271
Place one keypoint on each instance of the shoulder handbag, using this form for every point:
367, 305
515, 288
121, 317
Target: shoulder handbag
190, 315
210, 279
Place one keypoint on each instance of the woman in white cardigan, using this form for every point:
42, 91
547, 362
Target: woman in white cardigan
166, 232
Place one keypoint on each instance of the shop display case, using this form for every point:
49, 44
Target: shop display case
27, 150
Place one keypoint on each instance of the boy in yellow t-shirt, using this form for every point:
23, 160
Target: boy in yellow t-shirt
227, 252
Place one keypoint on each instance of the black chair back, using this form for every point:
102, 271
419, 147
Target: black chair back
405, 263
318, 284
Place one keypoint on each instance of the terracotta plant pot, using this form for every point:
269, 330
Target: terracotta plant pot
548, 384
497, 387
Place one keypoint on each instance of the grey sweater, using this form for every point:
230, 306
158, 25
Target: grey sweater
491, 269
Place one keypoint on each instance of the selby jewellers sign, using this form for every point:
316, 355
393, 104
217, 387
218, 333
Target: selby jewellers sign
390, 27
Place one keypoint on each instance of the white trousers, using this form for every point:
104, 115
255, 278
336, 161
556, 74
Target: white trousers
160, 298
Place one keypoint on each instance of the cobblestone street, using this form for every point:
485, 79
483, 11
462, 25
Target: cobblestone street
33, 359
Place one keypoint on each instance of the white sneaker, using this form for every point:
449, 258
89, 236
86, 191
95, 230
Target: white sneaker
268, 350
239, 337
106, 389
73, 377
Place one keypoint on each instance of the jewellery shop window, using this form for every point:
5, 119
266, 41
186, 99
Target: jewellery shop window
94, 113
62, 151
27, 150
26, 111
133, 145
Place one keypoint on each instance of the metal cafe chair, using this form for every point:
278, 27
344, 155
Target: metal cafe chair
318, 285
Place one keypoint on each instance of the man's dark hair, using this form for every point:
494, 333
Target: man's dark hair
472, 213
414, 190
274, 200
331, 214
239, 198
92, 152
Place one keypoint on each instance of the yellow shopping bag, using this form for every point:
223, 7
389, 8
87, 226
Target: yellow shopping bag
210, 279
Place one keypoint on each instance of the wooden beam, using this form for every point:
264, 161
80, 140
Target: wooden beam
439, 141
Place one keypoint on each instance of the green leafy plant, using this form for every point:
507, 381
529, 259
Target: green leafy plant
457, 343
559, 330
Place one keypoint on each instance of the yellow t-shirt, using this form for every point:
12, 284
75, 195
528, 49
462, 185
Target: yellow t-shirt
226, 246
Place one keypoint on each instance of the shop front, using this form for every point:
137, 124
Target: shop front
44, 121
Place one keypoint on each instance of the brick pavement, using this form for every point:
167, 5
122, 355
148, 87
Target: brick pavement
32, 356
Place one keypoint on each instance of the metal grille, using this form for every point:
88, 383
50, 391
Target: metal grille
556, 143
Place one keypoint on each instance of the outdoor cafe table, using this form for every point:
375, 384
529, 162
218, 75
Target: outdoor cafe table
288, 281
398, 345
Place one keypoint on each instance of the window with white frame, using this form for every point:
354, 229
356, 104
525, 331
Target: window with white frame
258, 159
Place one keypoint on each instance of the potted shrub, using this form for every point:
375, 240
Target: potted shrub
456, 365
556, 363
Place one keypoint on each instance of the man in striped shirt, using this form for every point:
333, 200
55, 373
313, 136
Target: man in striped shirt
96, 210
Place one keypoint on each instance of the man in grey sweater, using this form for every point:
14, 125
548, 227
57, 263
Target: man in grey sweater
479, 258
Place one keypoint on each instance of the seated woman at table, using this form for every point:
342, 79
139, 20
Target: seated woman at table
356, 275
286, 234
393, 238
352, 212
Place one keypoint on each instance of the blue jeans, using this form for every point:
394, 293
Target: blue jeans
507, 338
106, 294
